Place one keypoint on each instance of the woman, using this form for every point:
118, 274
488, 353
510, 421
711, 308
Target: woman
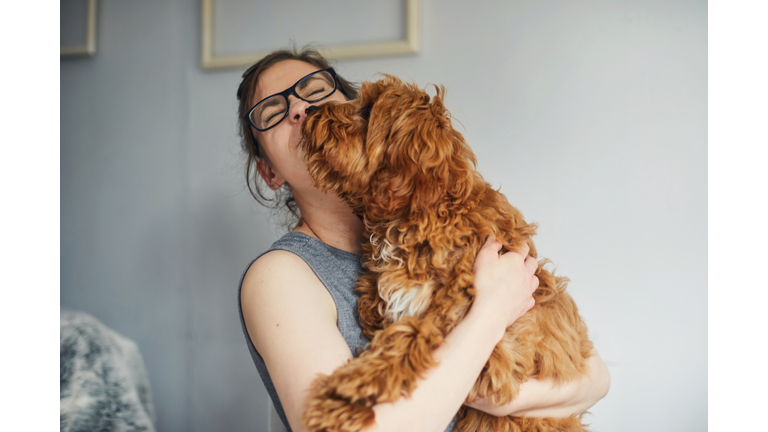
297, 304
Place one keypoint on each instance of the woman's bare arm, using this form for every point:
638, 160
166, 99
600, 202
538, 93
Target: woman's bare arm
542, 398
291, 320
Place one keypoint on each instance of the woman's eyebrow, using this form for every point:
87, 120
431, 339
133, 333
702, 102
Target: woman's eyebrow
271, 101
314, 78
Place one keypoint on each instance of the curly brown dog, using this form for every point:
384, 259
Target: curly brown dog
395, 157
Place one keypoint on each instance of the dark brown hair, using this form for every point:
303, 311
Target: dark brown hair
251, 147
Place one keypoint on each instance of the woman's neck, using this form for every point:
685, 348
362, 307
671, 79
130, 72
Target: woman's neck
330, 220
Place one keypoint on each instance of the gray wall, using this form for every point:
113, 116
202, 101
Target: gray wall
591, 115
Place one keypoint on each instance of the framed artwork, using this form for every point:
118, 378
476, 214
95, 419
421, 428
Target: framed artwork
78, 28
237, 33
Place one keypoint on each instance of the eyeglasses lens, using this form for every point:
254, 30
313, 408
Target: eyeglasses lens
312, 88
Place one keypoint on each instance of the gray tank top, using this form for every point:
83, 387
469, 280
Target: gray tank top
338, 271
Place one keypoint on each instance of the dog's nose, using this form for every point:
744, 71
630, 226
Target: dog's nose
312, 108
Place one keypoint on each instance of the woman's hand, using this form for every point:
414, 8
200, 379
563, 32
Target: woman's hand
504, 283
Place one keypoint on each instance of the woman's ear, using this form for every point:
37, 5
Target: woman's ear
270, 177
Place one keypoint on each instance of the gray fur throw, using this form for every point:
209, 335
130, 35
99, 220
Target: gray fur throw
104, 385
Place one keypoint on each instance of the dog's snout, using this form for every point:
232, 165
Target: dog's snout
312, 108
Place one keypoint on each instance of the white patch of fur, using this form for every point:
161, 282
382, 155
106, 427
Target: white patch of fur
402, 302
401, 299
384, 251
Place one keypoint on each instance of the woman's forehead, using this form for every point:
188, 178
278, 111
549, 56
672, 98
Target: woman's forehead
280, 76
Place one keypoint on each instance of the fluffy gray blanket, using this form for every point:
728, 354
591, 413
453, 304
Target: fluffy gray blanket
104, 385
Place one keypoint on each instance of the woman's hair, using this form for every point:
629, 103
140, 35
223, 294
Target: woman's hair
283, 199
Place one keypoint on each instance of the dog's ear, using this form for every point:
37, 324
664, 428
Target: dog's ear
427, 163
446, 161
458, 167
371, 91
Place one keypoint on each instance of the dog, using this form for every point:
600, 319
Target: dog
393, 155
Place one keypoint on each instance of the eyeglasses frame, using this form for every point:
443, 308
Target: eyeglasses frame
292, 91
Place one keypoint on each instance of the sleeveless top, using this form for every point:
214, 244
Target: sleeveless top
338, 271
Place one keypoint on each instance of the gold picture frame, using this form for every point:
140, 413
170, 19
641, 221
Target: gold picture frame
409, 45
89, 48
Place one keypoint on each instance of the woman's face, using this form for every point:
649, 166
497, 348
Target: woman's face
280, 144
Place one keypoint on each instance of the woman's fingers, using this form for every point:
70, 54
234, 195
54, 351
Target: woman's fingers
531, 264
487, 254
525, 249
491, 245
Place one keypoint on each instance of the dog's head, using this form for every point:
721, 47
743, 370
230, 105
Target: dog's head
391, 152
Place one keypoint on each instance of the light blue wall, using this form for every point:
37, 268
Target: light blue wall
591, 115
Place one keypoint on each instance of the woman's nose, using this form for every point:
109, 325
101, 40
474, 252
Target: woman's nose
299, 109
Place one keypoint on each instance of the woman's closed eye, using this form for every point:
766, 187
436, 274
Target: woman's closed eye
272, 115
317, 92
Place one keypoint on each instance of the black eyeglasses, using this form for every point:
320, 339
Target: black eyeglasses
273, 109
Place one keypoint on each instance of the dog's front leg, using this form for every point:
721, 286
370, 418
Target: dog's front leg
398, 356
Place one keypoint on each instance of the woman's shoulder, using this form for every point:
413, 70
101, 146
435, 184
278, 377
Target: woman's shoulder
280, 283
298, 255
276, 260
283, 271
282, 257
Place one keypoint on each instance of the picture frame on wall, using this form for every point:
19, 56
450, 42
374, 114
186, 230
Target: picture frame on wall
406, 27
77, 35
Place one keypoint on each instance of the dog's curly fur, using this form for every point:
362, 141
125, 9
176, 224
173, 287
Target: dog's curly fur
395, 157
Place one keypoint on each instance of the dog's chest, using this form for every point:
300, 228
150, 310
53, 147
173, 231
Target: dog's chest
408, 279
